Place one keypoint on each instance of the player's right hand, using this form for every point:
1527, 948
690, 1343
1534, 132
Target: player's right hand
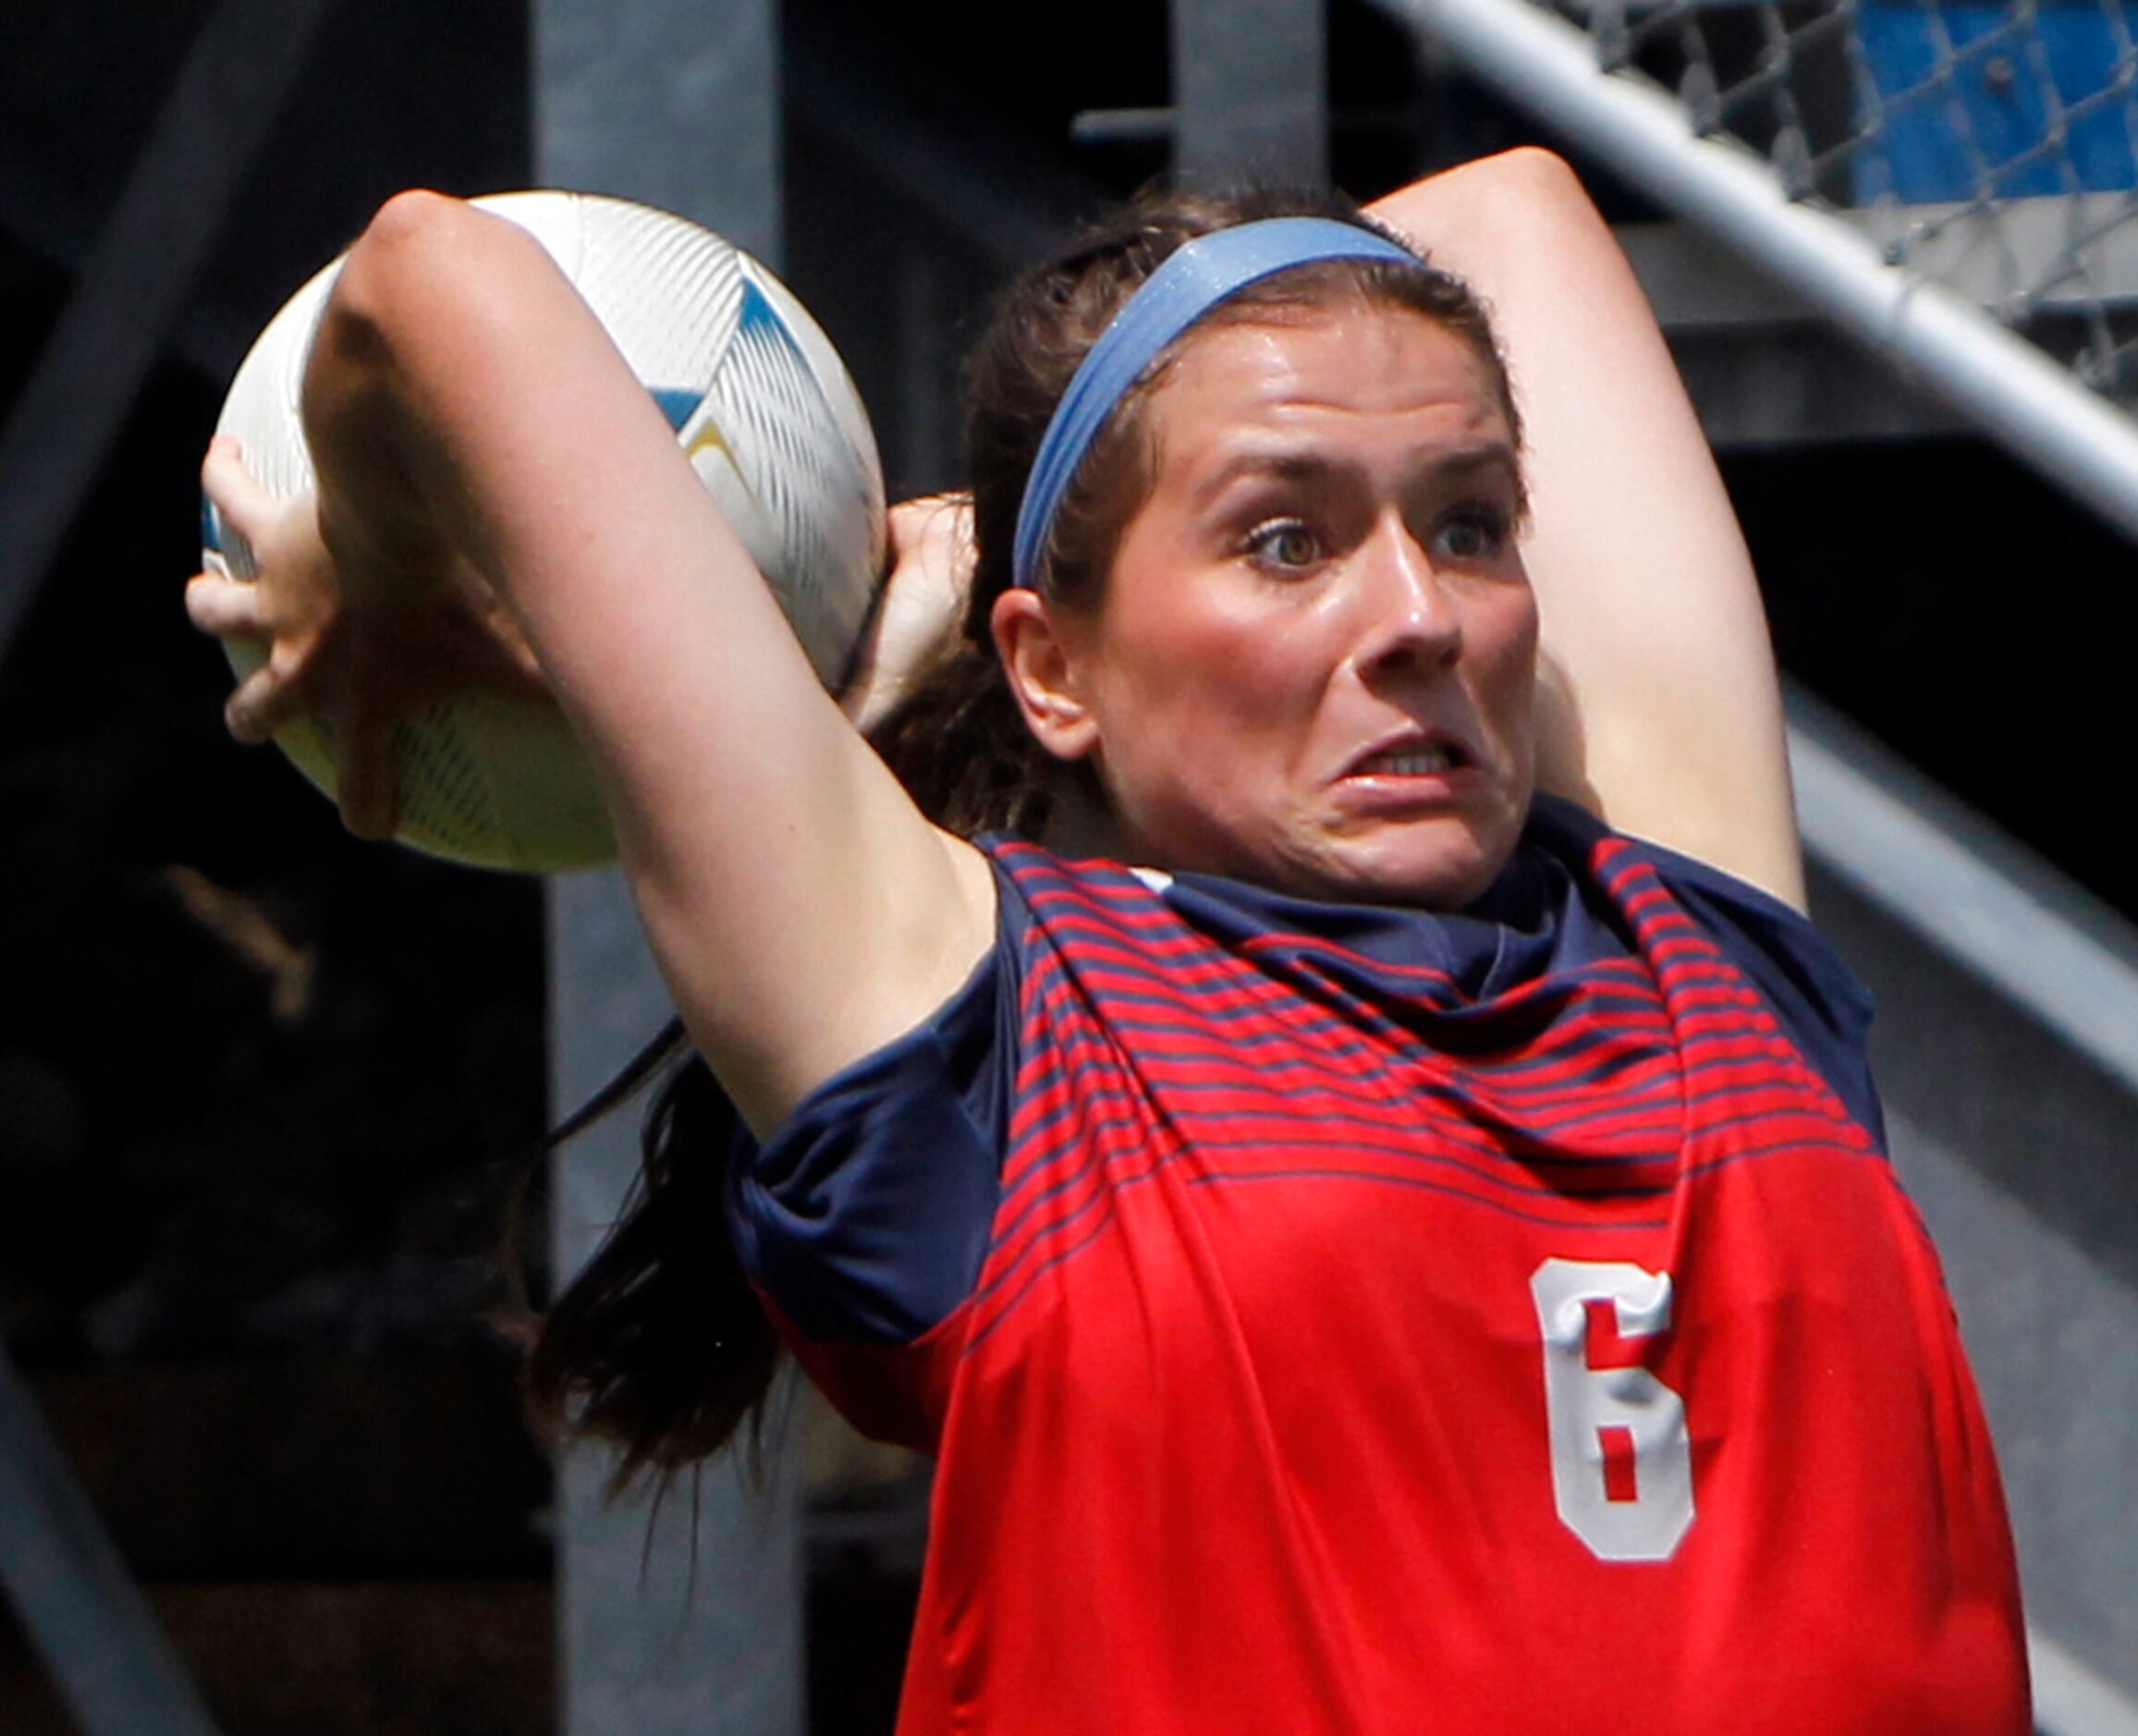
359, 656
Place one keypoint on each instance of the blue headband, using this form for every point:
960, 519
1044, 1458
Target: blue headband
1193, 279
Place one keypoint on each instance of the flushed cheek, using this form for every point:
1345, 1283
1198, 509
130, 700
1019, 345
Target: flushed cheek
1206, 762
1504, 654
1259, 679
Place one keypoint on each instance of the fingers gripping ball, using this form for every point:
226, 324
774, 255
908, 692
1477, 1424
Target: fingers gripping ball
771, 423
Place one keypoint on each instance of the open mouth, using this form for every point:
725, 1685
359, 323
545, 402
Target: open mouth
1411, 759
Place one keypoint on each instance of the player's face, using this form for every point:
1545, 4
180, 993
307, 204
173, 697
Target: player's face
1313, 662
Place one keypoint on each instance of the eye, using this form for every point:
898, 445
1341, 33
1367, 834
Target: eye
1476, 530
1283, 545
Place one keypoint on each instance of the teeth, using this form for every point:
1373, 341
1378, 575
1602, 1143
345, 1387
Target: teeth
1412, 763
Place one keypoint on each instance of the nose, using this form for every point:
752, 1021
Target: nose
1411, 622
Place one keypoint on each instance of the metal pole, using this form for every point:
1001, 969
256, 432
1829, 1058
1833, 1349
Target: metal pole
215, 117
684, 1620
2016, 395
2052, 948
1249, 90
675, 102
109, 1660
2009, 1085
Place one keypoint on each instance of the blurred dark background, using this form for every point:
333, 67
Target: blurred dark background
266, 1096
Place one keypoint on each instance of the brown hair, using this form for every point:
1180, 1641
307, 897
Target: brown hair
660, 1344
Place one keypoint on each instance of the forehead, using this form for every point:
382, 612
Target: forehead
1359, 373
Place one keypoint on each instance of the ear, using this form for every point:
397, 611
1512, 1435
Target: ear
1039, 662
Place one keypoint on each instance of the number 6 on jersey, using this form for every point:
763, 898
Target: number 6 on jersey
1622, 1462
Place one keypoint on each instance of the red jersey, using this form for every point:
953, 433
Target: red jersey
1366, 1321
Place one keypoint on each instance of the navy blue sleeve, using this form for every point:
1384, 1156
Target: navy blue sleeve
865, 1217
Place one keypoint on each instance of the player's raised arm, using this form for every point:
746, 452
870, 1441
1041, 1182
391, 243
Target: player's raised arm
466, 413
1653, 627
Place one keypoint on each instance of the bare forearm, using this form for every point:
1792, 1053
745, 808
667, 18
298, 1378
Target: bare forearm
380, 510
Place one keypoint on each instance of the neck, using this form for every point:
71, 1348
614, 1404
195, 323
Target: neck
1081, 824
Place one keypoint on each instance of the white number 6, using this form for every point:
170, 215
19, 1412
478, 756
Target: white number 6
1622, 1463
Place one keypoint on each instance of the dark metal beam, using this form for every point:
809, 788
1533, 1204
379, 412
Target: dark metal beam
681, 1618
109, 1660
1251, 90
58, 227
2006, 1054
673, 102
913, 130
192, 162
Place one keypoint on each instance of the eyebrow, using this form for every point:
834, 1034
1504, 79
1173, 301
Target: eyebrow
1293, 466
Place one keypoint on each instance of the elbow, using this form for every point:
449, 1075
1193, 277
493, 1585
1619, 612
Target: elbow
410, 216
429, 256
1531, 191
1533, 174
1548, 208
1502, 207
399, 250
1496, 220
412, 287
383, 317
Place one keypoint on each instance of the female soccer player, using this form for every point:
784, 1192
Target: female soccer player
1374, 1248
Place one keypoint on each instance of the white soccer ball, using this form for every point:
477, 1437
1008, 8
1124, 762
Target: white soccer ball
771, 423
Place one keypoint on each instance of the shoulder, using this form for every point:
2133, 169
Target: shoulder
863, 1215
1823, 1008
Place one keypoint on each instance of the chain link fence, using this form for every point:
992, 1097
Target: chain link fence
1989, 147
1952, 183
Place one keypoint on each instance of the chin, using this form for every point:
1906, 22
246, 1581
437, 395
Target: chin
1438, 860
1447, 877
1441, 864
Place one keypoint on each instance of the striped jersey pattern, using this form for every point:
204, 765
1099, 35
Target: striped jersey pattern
1384, 1322
1562, 1102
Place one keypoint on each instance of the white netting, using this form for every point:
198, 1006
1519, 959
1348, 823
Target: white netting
1988, 145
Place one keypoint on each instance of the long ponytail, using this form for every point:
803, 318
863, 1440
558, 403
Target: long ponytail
658, 1345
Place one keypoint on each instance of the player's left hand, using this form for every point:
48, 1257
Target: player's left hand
923, 608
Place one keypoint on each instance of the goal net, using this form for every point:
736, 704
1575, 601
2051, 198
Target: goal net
1992, 148
1956, 181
